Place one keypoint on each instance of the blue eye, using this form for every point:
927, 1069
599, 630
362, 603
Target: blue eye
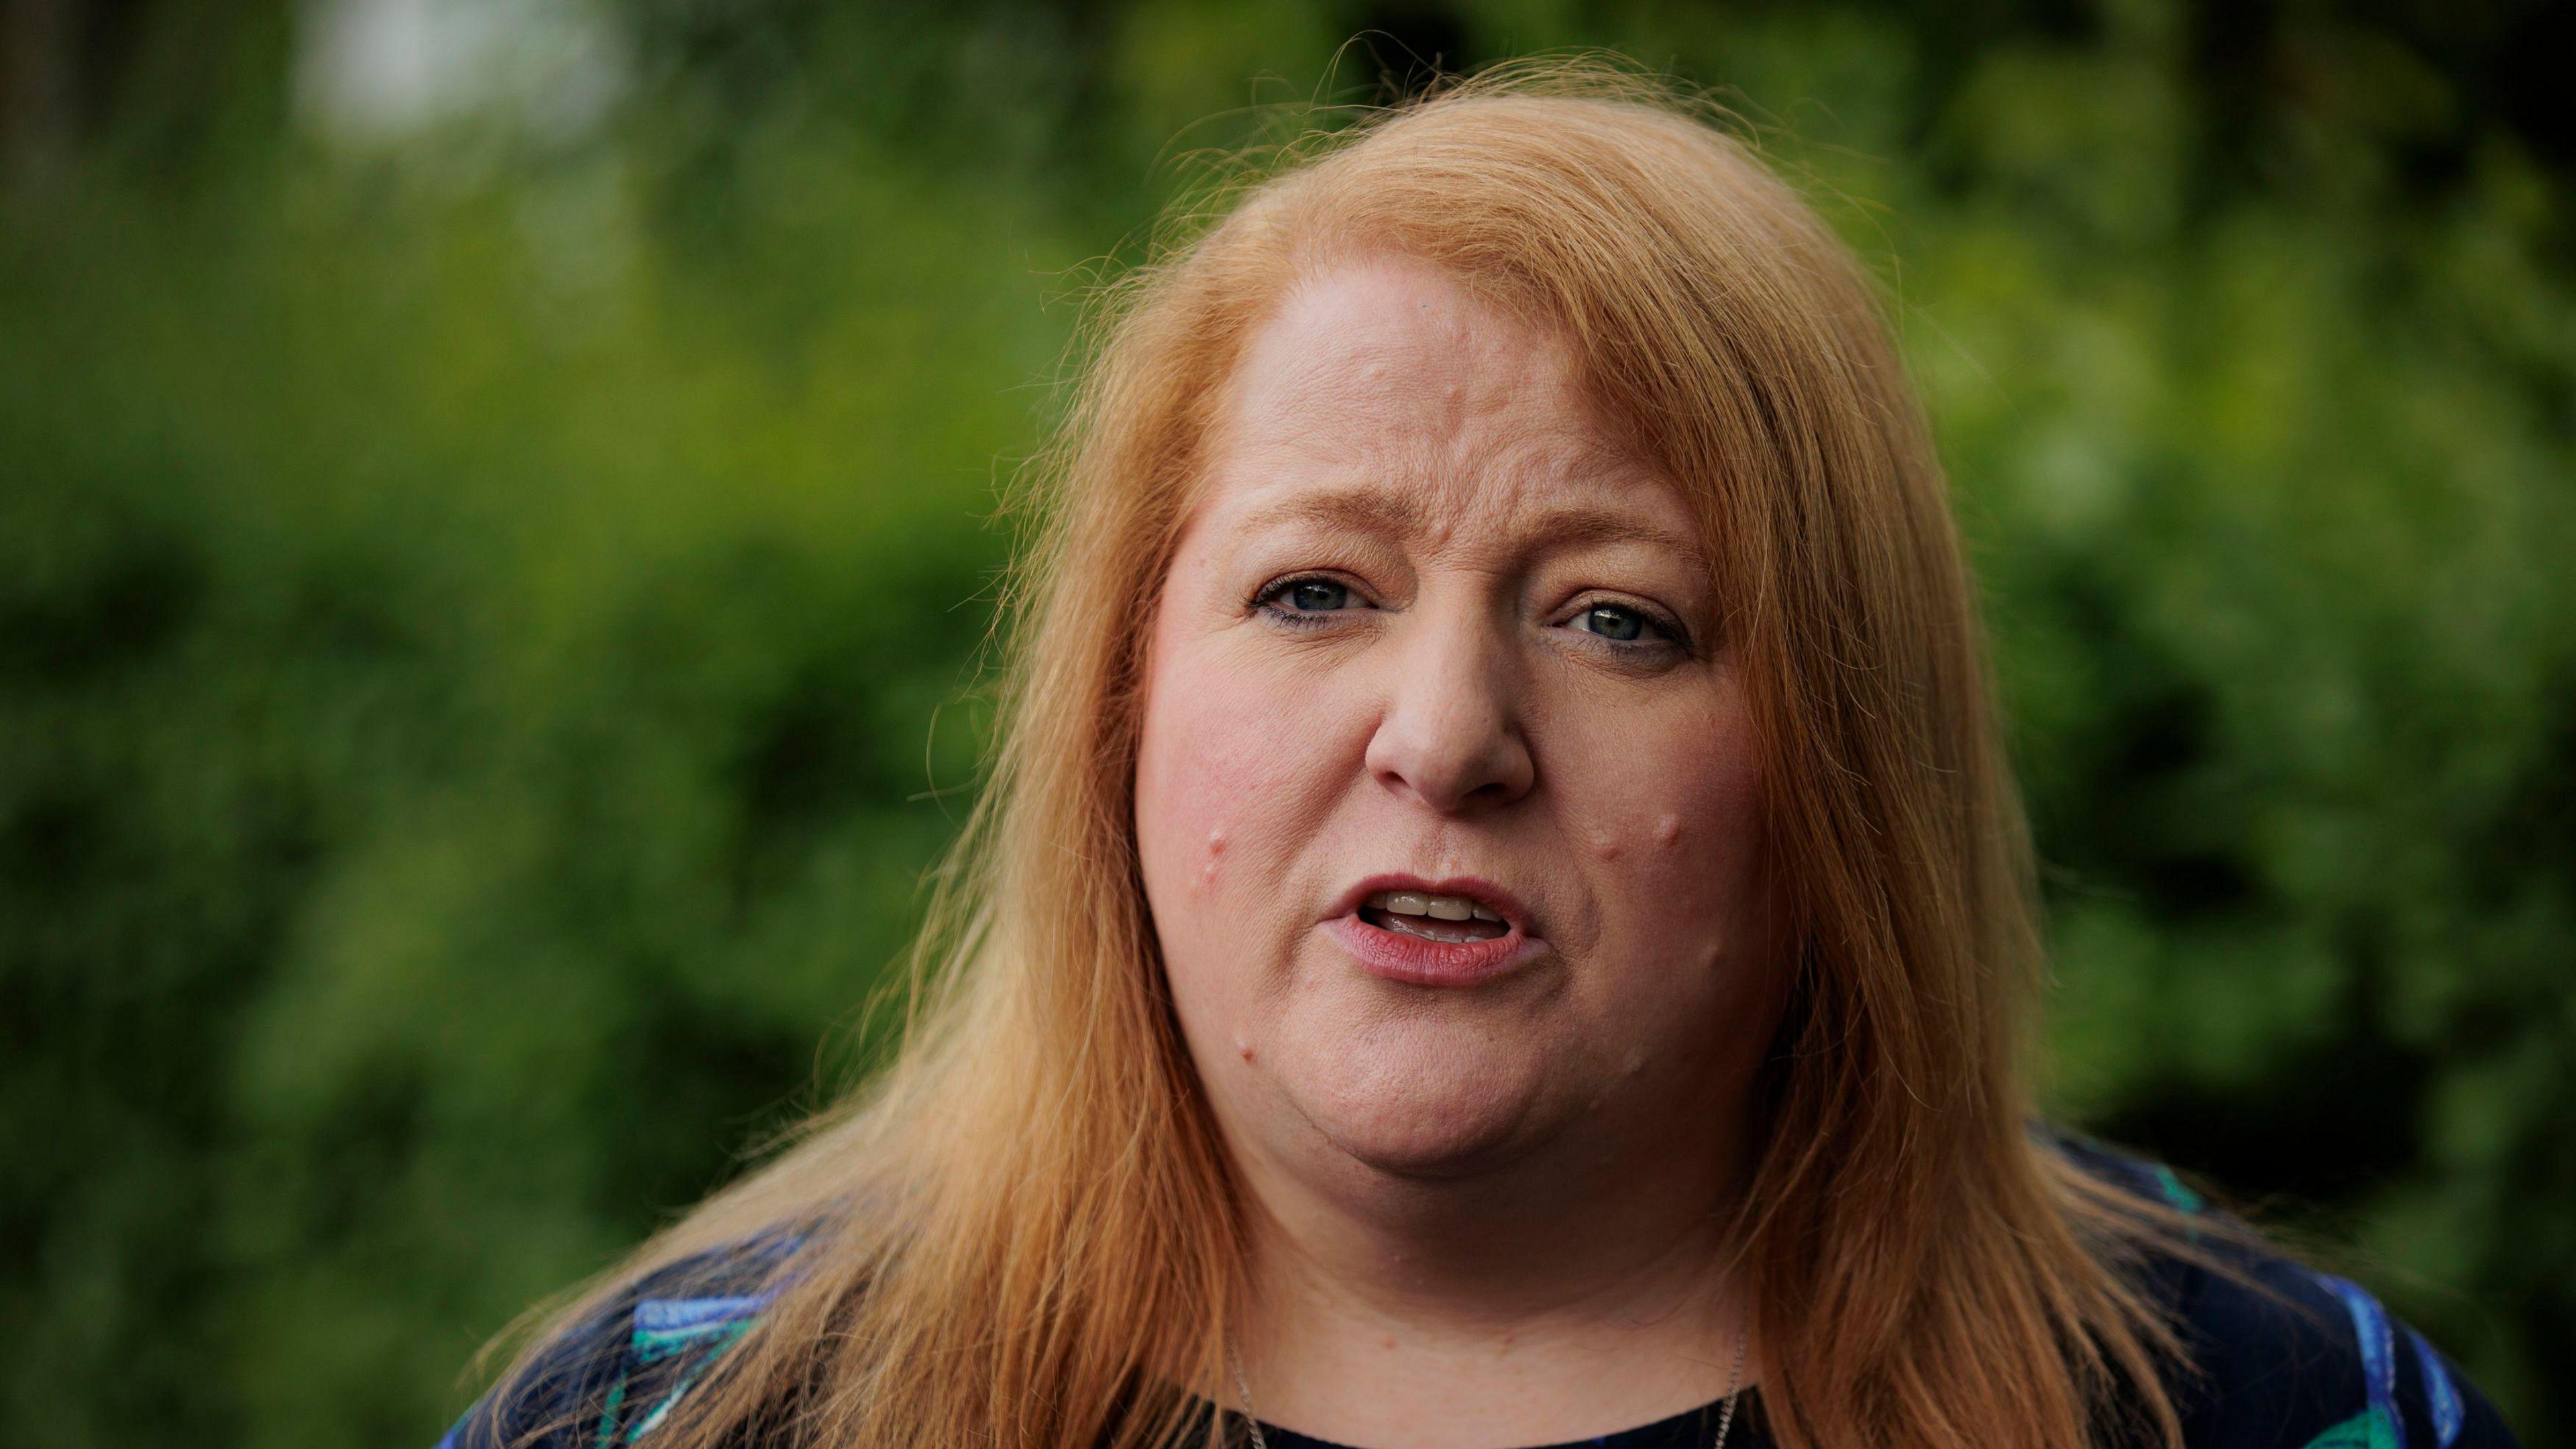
1615, 623
1316, 596
1307, 602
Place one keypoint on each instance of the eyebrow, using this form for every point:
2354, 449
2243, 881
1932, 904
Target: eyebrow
1374, 511
1355, 510
1582, 526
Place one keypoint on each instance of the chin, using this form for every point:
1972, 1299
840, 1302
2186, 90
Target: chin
1439, 1116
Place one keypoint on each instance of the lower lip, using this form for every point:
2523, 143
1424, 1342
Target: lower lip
1416, 961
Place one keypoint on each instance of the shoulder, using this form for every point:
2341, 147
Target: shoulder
2286, 1356
613, 1374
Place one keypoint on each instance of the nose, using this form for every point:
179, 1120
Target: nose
1450, 731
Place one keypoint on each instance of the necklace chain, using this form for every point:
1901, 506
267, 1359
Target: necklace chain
1725, 1413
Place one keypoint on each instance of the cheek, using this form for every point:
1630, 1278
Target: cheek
1672, 830
1230, 770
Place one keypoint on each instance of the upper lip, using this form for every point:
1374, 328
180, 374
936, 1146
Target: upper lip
1473, 887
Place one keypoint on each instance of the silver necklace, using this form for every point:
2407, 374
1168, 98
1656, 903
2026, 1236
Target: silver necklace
1725, 1412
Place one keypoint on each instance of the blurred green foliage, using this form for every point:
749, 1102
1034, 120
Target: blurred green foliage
490, 605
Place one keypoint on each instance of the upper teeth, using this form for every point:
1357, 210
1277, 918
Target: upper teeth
1443, 908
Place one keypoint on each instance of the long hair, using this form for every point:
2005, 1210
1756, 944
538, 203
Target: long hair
1023, 1232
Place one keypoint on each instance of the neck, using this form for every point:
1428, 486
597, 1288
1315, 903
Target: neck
1539, 1302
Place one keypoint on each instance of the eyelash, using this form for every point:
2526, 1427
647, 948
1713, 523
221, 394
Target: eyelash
1266, 602
1673, 638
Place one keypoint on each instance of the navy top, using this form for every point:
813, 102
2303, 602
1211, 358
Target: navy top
2293, 1359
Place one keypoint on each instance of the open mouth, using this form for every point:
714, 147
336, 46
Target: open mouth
1454, 920
1464, 934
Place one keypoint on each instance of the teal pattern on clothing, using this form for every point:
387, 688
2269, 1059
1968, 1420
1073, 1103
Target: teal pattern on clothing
2285, 1357
696, 1330
2365, 1430
2379, 1424
2177, 1194
614, 1376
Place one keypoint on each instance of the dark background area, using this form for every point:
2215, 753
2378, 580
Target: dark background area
496, 526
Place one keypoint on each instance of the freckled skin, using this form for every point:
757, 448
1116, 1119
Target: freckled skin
1452, 721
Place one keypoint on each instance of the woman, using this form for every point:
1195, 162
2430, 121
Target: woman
1499, 918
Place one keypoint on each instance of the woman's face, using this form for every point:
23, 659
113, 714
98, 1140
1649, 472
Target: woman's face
1434, 645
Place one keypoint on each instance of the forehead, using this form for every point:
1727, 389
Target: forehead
1385, 373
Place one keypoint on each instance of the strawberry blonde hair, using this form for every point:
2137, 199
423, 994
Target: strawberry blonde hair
1023, 1231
